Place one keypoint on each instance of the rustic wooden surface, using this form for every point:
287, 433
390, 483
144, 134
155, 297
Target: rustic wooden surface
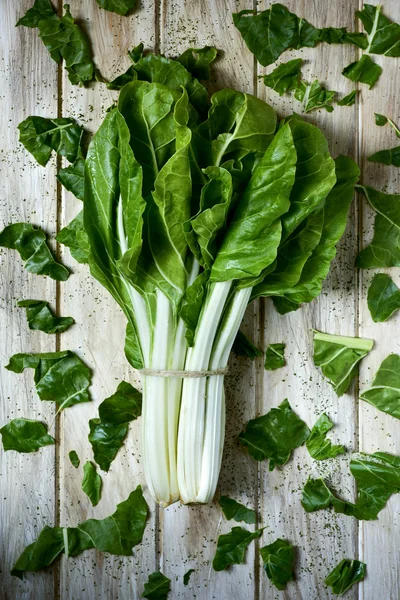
43, 488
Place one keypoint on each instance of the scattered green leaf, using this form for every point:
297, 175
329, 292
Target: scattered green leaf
74, 458
383, 35
364, 70
121, 7
384, 392
40, 317
275, 357
390, 156
278, 559
242, 346
345, 574
381, 120
348, 100
318, 446
25, 435
285, 77
237, 511
383, 297
75, 238
232, 546
41, 136
91, 483
187, 575
157, 587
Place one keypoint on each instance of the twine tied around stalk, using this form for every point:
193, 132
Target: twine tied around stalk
183, 374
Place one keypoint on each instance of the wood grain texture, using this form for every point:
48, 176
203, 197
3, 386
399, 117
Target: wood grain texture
180, 537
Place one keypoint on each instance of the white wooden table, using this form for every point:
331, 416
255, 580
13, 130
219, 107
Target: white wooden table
43, 488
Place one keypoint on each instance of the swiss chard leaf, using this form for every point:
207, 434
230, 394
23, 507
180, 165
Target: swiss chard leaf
284, 77
338, 356
91, 483
121, 7
383, 297
232, 546
273, 436
25, 435
74, 458
382, 33
384, 250
197, 61
275, 30
187, 575
345, 574
31, 244
318, 446
364, 70
124, 406
384, 393
106, 440
275, 357
75, 238
390, 156
40, 317
192, 303
278, 559
63, 38
314, 96
59, 376
72, 177
237, 511
41, 136
348, 100
381, 120
157, 587
242, 346
116, 534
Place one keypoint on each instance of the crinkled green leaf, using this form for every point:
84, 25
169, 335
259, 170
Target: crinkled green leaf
106, 440
91, 483
232, 546
63, 38
75, 238
284, 77
278, 559
41, 553
338, 356
319, 447
74, 458
40, 317
73, 177
349, 100
364, 70
314, 96
237, 511
275, 435
345, 574
242, 346
384, 250
382, 33
391, 156
383, 297
157, 587
30, 242
25, 435
59, 376
381, 120
198, 60
271, 32
275, 357
384, 393
121, 7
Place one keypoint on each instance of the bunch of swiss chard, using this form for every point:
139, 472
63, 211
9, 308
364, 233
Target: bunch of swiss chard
194, 207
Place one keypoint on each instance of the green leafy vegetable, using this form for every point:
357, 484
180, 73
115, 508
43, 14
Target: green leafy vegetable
381, 120
382, 33
384, 392
74, 458
234, 510
377, 476
383, 297
278, 559
364, 70
232, 546
63, 38
75, 238
25, 435
338, 356
198, 60
41, 136
116, 534
91, 483
273, 436
157, 587
30, 242
275, 30
384, 250
121, 7
314, 96
109, 431
40, 317
284, 77
390, 156
318, 446
275, 357
59, 376
348, 100
72, 177
345, 574
243, 347
187, 575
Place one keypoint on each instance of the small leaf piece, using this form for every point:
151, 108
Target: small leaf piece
41, 136
338, 356
390, 156
278, 560
364, 70
74, 458
120, 7
345, 574
40, 317
232, 546
314, 96
157, 587
318, 446
91, 483
384, 392
73, 177
274, 435
75, 238
275, 357
187, 575
30, 242
348, 100
381, 120
383, 34
285, 77
234, 510
242, 346
383, 297
25, 435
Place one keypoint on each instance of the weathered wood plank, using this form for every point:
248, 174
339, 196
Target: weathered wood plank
377, 431
321, 539
99, 337
189, 534
28, 79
